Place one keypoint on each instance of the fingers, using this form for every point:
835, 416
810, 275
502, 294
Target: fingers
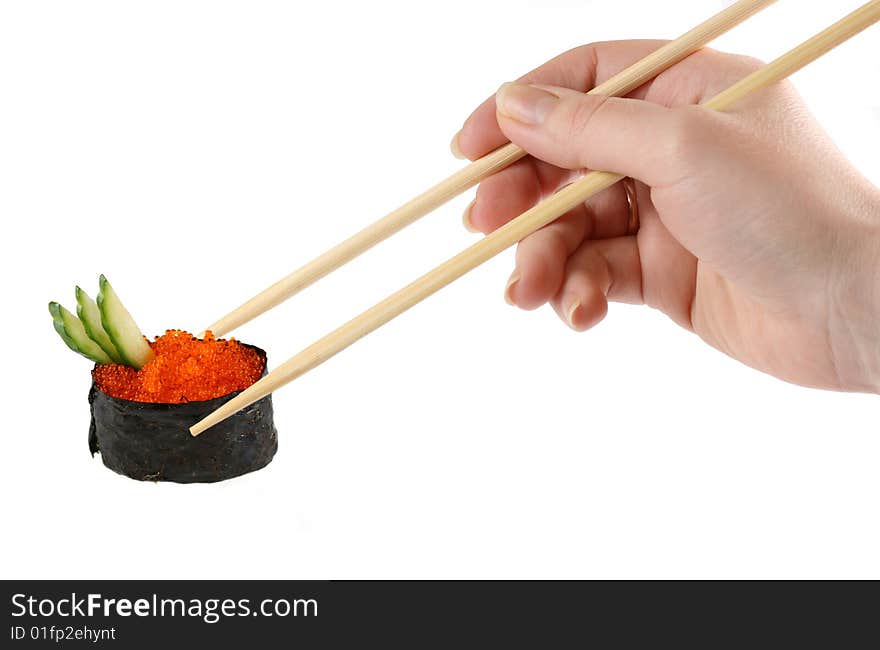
600, 270
503, 196
655, 144
699, 76
648, 268
580, 262
511, 192
668, 269
540, 260
541, 257
580, 69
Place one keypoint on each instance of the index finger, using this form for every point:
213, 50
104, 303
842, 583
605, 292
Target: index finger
581, 69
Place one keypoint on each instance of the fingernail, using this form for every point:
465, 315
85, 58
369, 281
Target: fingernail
524, 103
455, 148
466, 217
571, 312
511, 283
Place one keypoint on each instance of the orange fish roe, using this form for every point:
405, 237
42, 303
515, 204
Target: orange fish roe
185, 369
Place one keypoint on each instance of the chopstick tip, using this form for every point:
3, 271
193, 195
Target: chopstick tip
197, 428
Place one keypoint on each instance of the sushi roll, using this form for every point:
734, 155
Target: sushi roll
145, 396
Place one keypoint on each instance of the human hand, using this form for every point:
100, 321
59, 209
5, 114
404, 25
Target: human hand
755, 232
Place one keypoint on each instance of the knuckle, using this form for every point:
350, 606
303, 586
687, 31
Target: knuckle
725, 69
556, 245
732, 63
583, 52
586, 56
580, 113
749, 64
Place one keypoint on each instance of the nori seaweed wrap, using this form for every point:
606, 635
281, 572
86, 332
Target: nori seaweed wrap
151, 441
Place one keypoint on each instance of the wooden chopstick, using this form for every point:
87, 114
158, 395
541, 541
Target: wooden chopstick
525, 224
619, 85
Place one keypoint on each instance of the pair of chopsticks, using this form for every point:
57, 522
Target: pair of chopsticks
446, 190
520, 227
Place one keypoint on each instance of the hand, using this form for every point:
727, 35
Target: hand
756, 233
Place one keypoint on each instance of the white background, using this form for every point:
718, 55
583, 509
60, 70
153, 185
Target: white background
196, 151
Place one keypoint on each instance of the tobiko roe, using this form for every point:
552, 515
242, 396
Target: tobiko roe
184, 369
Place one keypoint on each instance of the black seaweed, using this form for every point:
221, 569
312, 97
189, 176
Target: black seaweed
151, 442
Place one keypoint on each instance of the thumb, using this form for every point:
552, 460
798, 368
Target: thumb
650, 142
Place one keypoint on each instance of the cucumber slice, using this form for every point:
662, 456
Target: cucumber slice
58, 324
74, 334
121, 328
88, 313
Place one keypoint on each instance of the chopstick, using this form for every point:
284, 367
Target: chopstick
525, 224
619, 85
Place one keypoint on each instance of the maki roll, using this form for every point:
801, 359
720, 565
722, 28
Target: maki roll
141, 418
145, 396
